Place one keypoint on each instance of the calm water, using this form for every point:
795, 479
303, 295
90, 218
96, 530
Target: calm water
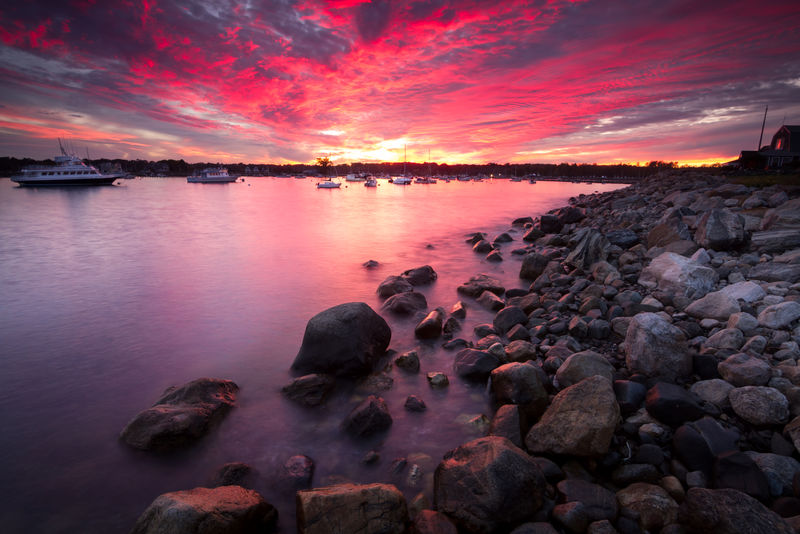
110, 295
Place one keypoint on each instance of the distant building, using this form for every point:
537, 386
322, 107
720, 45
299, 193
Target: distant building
784, 149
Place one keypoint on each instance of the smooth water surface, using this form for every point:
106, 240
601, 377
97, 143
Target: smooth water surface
109, 295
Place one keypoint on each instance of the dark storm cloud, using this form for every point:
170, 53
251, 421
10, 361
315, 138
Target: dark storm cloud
372, 19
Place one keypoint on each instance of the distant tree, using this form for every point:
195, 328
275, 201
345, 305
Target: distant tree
324, 164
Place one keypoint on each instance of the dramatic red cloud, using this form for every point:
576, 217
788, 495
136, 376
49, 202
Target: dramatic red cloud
358, 80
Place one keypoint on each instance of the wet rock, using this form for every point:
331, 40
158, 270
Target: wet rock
780, 315
415, 404
678, 275
431, 326
393, 285
721, 229
370, 264
653, 506
520, 350
672, 404
550, 224
717, 305
298, 471
490, 301
488, 485
482, 247
475, 364
212, 511
234, 474
580, 420
420, 276
508, 317
480, 283
309, 390
407, 303
743, 369
369, 417
656, 348
459, 310
181, 416
438, 380
408, 361
727, 511
356, 508
583, 365
759, 405
520, 384
346, 340
494, 256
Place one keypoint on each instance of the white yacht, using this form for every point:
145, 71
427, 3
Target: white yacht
212, 175
68, 170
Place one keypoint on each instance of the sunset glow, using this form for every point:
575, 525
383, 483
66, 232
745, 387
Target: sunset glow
471, 82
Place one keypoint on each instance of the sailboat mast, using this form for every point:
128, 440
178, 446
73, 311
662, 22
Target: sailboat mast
762, 129
404, 160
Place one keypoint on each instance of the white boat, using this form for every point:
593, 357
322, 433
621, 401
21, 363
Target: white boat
355, 177
425, 180
212, 175
402, 180
371, 182
328, 184
68, 170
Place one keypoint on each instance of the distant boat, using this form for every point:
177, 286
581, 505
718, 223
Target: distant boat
212, 175
355, 178
68, 170
402, 180
371, 182
328, 184
425, 180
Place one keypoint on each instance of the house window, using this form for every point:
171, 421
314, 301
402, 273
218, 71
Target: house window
779, 144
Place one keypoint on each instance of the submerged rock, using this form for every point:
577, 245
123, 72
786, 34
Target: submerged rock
369, 417
182, 415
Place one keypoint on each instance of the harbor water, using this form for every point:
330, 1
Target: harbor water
109, 295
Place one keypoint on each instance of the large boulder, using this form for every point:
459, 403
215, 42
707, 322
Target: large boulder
207, 511
771, 271
742, 369
678, 275
760, 405
721, 229
488, 485
346, 340
656, 348
580, 421
352, 508
747, 291
508, 317
728, 511
784, 217
181, 416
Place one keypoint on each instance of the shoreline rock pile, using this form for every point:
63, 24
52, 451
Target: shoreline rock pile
646, 381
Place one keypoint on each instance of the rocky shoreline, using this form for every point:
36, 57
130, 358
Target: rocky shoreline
646, 381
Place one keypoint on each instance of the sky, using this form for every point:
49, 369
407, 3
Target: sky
284, 81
